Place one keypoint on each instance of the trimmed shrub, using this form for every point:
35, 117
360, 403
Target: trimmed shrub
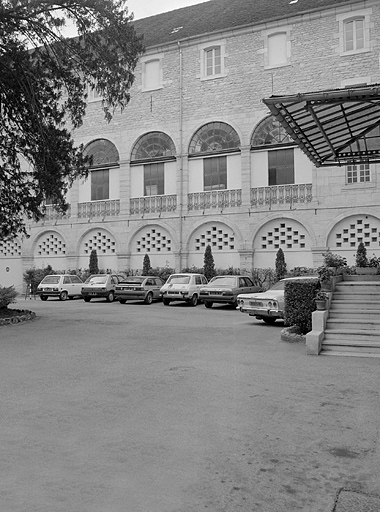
280, 265
8, 296
146, 266
300, 303
361, 259
208, 264
93, 265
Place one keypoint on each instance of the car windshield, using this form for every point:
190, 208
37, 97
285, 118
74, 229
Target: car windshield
97, 280
134, 280
51, 280
179, 279
224, 280
278, 286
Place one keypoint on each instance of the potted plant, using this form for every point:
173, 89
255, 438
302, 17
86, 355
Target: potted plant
325, 274
363, 264
321, 300
334, 261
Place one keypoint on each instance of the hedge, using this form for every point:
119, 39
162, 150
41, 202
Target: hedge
300, 303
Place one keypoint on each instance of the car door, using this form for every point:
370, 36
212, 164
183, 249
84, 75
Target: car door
67, 285
250, 287
76, 285
157, 287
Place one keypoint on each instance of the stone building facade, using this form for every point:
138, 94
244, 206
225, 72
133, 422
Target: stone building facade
197, 159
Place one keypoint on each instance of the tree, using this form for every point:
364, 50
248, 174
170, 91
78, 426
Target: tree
280, 264
361, 258
209, 265
43, 89
146, 266
94, 267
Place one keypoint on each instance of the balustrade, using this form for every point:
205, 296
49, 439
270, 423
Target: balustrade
282, 194
107, 208
152, 204
219, 199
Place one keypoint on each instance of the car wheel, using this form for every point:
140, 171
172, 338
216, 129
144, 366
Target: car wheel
122, 301
166, 302
149, 298
87, 299
63, 295
269, 320
194, 300
208, 304
110, 297
43, 297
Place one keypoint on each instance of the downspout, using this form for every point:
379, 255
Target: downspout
181, 156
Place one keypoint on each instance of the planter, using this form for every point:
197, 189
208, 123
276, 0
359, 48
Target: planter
366, 270
326, 286
321, 305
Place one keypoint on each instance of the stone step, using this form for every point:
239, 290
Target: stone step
365, 314
348, 335
361, 296
350, 349
353, 323
360, 307
358, 288
361, 278
347, 353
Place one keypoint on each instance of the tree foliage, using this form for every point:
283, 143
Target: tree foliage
44, 81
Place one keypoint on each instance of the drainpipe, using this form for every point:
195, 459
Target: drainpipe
181, 156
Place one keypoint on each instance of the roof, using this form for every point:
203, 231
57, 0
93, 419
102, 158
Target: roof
333, 127
222, 15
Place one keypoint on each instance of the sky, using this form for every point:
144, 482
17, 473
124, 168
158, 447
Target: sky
145, 8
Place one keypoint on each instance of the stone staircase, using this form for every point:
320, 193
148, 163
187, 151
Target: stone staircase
353, 324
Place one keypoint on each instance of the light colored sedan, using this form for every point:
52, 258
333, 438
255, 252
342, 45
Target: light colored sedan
100, 285
60, 285
269, 305
145, 288
225, 290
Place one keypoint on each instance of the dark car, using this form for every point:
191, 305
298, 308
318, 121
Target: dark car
225, 289
145, 288
100, 285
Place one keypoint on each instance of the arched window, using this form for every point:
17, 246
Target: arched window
104, 155
214, 138
152, 146
153, 149
270, 134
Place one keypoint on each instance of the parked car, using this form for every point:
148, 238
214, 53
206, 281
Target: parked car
146, 288
100, 285
60, 285
185, 286
225, 289
269, 305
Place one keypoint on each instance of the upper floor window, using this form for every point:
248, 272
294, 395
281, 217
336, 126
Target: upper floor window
104, 156
270, 132
212, 58
215, 173
154, 179
360, 173
152, 73
354, 35
280, 167
277, 48
354, 31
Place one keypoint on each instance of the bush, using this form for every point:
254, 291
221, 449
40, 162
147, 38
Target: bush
146, 265
193, 270
300, 303
333, 260
361, 256
208, 264
280, 265
8, 296
230, 271
162, 272
93, 264
33, 276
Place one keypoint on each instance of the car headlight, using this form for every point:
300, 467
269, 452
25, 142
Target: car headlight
241, 302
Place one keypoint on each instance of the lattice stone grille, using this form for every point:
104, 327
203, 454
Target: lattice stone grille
350, 232
10, 248
52, 244
100, 241
154, 240
284, 235
217, 236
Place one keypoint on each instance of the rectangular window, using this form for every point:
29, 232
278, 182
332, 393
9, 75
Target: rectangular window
100, 185
213, 63
215, 173
358, 173
354, 35
154, 179
277, 49
281, 167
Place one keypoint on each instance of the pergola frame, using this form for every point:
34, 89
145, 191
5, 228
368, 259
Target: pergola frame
335, 127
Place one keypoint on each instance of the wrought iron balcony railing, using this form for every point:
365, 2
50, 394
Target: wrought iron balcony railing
152, 204
281, 194
106, 208
219, 199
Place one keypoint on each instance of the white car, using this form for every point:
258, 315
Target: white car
184, 287
60, 285
269, 305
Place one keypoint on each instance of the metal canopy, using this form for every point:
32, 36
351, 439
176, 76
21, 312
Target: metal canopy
335, 127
